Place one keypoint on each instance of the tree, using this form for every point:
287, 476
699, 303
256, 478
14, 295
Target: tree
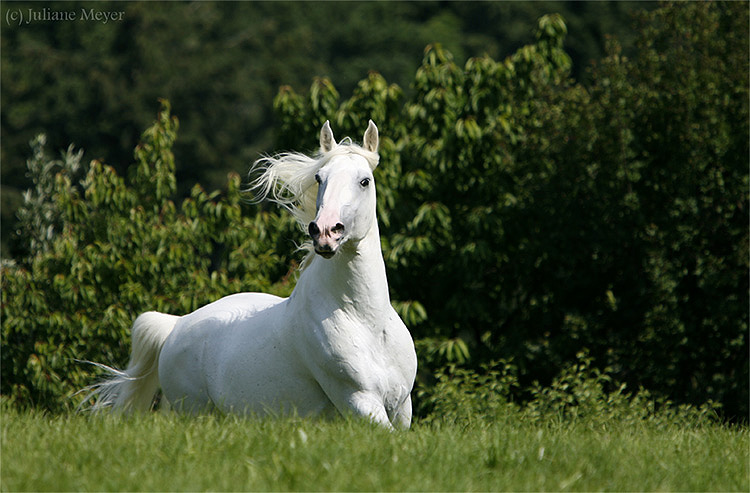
533, 216
524, 217
220, 64
108, 249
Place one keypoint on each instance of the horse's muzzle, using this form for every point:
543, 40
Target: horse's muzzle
326, 241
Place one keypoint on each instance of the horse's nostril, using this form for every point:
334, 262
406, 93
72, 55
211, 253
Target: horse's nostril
313, 230
339, 228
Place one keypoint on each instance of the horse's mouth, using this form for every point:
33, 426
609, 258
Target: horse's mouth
327, 248
326, 253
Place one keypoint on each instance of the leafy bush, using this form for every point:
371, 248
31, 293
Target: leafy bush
530, 216
525, 218
580, 393
459, 395
583, 392
104, 250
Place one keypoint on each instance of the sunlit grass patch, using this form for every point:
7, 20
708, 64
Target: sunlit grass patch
166, 452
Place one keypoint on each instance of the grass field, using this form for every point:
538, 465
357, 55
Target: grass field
163, 452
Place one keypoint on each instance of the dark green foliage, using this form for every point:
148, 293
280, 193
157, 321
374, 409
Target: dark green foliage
106, 250
533, 216
590, 234
220, 63
580, 393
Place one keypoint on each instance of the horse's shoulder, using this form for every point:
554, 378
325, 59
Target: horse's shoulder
395, 332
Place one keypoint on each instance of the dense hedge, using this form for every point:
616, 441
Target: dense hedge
220, 64
524, 216
532, 216
110, 249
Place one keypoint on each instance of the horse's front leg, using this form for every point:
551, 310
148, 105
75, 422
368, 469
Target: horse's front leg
368, 404
402, 416
361, 403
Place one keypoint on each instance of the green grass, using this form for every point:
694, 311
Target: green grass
166, 452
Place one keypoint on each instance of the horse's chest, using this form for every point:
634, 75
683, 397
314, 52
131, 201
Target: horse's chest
366, 356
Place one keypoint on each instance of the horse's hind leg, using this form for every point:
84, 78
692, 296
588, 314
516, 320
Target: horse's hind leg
183, 379
188, 405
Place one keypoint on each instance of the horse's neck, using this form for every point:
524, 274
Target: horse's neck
354, 279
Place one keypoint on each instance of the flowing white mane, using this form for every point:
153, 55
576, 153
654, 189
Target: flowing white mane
288, 179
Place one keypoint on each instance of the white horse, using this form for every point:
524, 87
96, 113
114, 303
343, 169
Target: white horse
334, 346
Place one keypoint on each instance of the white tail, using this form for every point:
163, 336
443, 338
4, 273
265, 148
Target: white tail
134, 388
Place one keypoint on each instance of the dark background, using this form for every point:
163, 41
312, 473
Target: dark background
220, 64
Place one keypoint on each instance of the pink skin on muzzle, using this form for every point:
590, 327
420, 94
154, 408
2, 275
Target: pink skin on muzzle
327, 230
326, 239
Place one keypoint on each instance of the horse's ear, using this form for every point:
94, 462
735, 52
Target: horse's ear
371, 137
327, 141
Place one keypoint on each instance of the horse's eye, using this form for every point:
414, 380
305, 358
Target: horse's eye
365, 182
317, 178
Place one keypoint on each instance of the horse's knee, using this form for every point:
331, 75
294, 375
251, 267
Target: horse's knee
367, 405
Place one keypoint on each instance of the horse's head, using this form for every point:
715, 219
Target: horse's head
345, 206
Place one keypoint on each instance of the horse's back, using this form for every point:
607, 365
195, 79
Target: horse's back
232, 307
235, 354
